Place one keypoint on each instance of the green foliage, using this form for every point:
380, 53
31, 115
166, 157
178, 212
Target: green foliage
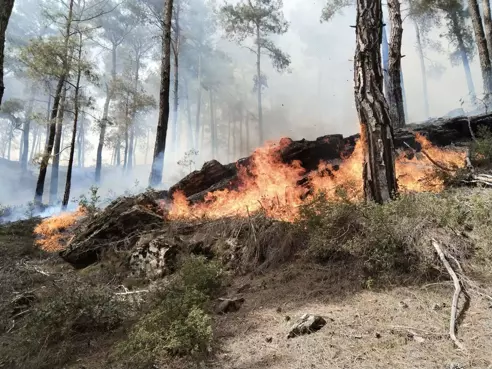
481, 149
386, 239
334, 7
257, 19
90, 204
178, 324
58, 326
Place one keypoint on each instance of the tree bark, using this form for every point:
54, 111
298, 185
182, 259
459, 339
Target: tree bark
38, 196
376, 130
483, 51
487, 22
68, 182
248, 147
423, 72
176, 47
34, 143
129, 164
104, 121
6, 7
396, 105
213, 128
57, 148
127, 127
25, 134
160, 140
258, 76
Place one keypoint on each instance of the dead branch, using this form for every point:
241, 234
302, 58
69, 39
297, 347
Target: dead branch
456, 295
440, 166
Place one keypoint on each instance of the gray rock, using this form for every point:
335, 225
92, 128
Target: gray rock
307, 324
229, 305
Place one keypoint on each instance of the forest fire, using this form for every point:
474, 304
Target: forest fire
279, 189
51, 230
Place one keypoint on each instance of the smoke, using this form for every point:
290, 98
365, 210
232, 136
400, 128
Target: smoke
314, 98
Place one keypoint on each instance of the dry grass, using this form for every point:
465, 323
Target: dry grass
356, 318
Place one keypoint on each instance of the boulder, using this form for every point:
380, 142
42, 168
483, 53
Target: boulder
229, 305
307, 324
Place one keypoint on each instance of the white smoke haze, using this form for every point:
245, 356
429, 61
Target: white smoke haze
312, 99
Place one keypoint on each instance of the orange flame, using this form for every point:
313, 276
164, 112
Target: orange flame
51, 229
271, 185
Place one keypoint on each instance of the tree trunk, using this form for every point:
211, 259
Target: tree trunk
423, 72
259, 82
104, 121
25, 135
248, 147
213, 128
34, 143
38, 196
198, 101
483, 51
176, 80
127, 127
68, 182
11, 137
229, 140
79, 143
379, 161
5, 12
134, 149
396, 105
241, 137
118, 151
129, 164
487, 22
160, 140
188, 115
56, 152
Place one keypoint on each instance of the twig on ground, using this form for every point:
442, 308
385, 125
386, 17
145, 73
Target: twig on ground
457, 291
440, 166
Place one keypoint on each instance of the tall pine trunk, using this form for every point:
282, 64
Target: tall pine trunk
379, 163
5, 12
129, 164
423, 72
259, 84
161, 134
56, 152
248, 145
68, 182
213, 128
104, 121
396, 105
483, 51
38, 196
176, 48
25, 134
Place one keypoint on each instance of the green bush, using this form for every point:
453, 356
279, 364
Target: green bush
178, 324
481, 149
386, 239
61, 324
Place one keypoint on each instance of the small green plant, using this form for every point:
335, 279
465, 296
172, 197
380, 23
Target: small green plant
178, 324
188, 161
30, 209
481, 148
90, 204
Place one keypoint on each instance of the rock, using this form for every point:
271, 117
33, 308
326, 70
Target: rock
403, 304
307, 324
279, 310
287, 318
378, 335
154, 257
229, 305
436, 307
269, 339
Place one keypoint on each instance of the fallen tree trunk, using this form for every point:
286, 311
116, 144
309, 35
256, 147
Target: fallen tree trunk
332, 148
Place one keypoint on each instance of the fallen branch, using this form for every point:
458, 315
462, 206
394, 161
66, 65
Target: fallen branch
456, 295
440, 166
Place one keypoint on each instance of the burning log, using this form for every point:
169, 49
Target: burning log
118, 226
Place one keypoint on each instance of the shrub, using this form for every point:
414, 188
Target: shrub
178, 324
61, 324
481, 149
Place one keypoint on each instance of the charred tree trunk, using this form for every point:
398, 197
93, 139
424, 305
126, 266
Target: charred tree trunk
397, 109
379, 161
176, 47
423, 72
68, 182
259, 84
160, 140
104, 121
38, 196
5, 12
483, 51
56, 154
127, 127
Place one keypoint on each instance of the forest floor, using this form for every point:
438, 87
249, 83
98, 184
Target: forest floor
371, 323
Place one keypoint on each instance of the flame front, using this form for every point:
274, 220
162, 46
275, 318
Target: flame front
273, 186
50, 230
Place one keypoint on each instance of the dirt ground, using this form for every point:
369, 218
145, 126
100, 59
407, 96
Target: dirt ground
399, 327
